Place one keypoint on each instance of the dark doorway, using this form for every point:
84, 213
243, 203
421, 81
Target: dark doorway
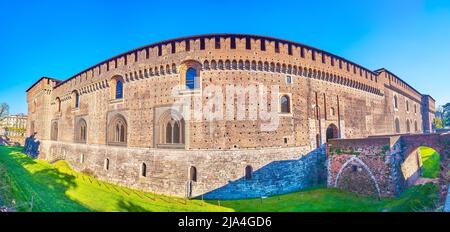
332, 132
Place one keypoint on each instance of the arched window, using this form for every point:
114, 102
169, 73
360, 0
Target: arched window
75, 99
116, 87
144, 170
397, 125
317, 140
33, 106
81, 131
106, 164
58, 105
54, 131
407, 106
119, 89
332, 111
415, 126
191, 74
408, 126
117, 131
395, 102
285, 104
176, 133
171, 132
248, 172
193, 174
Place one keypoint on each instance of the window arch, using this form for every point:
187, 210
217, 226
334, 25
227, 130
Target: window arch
415, 126
397, 125
285, 104
81, 131
33, 106
408, 126
248, 172
144, 170
193, 174
168, 132
395, 102
332, 111
191, 74
75, 99
117, 87
317, 140
106, 164
407, 106
54, 131
117, 131
58, 105
172, 128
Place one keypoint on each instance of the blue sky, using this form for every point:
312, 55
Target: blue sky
411, 38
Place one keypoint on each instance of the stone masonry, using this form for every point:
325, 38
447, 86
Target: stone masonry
384, 165
329, 97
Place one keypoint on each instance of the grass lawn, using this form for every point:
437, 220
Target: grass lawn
58, 188
417, 198
431, 161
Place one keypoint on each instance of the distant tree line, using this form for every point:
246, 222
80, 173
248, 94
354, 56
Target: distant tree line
442, 119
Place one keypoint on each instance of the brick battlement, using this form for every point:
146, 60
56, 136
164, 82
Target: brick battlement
310, 60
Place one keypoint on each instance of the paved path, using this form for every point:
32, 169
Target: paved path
447, 201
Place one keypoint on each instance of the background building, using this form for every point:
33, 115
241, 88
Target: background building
14, 127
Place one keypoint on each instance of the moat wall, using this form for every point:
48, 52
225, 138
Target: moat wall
378, 166
220, 174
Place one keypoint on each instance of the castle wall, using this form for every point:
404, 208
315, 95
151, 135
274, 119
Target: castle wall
219, 173
327, 91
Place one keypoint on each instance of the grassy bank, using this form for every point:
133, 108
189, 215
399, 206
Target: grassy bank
431, 162
56, 187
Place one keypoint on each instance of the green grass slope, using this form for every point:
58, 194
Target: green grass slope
431, 162
58, 188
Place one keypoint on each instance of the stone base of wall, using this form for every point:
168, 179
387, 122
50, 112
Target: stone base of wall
220, 174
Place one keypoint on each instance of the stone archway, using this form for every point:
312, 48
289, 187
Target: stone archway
441, 144
332, 132
355, 176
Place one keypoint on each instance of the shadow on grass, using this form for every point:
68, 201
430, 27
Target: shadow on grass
39, 183
128, 206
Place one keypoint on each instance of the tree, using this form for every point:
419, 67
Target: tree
438, 123
446, 114
4, 110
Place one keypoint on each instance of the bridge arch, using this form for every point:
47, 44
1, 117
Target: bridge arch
355, 164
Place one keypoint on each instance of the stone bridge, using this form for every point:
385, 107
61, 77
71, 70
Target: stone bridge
384, 165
